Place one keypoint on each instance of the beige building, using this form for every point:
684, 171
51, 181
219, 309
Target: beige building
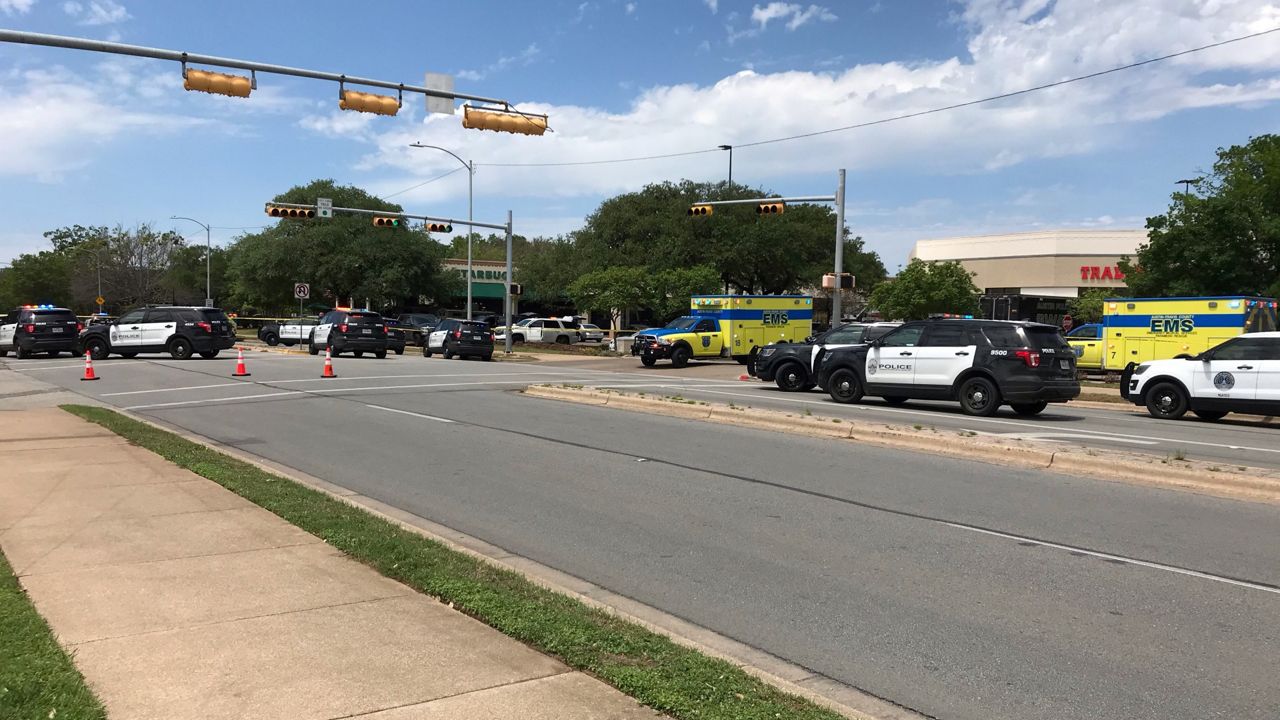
1032, 275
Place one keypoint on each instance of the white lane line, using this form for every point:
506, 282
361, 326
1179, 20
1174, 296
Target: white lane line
97, 364
269, 383
406, 412
1093, 434
1118, 558
1067, 436
213, 400
176, 389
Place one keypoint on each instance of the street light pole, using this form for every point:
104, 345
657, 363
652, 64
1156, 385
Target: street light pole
471, 197
837, 295
730, 149
208, 259
1187, 185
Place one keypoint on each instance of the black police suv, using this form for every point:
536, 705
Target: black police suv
793, 366
32, 329
981, 363
181, 331
395, 336
464, 338
346, 330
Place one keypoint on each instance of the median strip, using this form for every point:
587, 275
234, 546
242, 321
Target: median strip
1173, 471
650, 667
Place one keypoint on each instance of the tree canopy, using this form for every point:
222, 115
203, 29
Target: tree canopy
924, 288
1223, 237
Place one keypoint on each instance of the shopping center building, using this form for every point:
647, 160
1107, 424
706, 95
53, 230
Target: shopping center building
1033, 275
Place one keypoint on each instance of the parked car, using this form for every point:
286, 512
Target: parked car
1241, 375
355, 331
395, 336
180, 330
417, 326
39, 329
590, 333
288, 332
794, 366
546, 330
464, 338
983, 364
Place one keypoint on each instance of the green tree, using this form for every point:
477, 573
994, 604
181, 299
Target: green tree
924, 288
1088, 307
36, 278
547, 267
343, 258
1223, 238
672, 288
615, 290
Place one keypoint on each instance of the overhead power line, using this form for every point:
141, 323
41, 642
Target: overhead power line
906, 116
424, 182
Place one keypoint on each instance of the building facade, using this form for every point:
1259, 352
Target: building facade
1033, 275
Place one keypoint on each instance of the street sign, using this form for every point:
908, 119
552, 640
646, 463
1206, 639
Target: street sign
100, 300
302, 291
439, 81
324, 207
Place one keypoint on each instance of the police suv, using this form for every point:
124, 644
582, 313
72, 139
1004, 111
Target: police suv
288, 332
38, 328
180, 331
981, 363
345, 330
794, 366
1241, 375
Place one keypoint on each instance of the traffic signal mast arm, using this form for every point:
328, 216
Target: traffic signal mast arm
406, 216
766, 200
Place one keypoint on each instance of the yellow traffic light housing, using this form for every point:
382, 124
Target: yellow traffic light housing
380, 221
277, 211
217, 83
368, 102
771, 208
439, 227
499, 121
700, 210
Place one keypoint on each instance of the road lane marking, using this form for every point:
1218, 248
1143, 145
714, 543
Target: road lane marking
406, 412
1118, 558
1067, 436
175, 389
213, 400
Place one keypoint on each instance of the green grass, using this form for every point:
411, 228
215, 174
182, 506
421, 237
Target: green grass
37, 679
649, 667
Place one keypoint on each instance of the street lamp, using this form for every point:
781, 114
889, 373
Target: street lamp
730, 149
471, 175
208, 259
1187, 184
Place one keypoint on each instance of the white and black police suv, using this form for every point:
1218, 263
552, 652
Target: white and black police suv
181, 331
981, 363
32, 329
794, 366
1242, 375
345, 330
288, 332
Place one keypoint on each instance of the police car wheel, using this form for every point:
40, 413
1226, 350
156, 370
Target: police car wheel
381, 354
1166, 401
1028, 409
790, 377
648, 360
844, 386
1209, 415
400, 351
271, 339
23, 353
97, 349
128, 355
895, 400
978, 396
4, 352
680, 357
311, 348
180, 349
208, 354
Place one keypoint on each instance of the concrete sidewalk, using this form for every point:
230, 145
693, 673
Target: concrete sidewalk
179, 599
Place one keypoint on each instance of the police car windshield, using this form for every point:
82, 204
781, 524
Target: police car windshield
682, 323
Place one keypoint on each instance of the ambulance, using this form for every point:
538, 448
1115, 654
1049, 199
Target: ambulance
726, 326
1138, 330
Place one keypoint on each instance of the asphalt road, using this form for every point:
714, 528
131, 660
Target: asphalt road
958, 589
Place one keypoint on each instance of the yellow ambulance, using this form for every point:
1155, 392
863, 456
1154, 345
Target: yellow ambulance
1135, 330
726, 326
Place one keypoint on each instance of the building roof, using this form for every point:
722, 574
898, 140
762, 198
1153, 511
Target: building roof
1040, 243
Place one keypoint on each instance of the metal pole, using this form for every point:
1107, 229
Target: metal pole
836, 315
730, 166
208, 264
471, 199
507, 294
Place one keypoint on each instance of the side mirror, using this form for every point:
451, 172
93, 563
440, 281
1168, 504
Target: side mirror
811, 338
876, 343
1204, 357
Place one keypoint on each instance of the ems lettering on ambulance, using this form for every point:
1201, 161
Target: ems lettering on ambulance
1173, 324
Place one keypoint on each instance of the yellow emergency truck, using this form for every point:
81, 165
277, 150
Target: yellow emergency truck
1135, 330
726, 326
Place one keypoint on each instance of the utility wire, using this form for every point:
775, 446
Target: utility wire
425, 182
906, 116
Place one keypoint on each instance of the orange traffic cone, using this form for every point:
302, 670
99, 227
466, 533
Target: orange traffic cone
240, 369
328, 365
88, 367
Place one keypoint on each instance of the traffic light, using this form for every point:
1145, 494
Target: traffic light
770, 208
276, 211
699, 210
380, 221
369, 102
512, 122
217, 83
438, 227
517, 289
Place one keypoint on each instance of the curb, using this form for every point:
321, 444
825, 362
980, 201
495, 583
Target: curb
1257, 484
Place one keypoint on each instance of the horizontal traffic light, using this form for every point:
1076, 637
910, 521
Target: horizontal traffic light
276, 211
439, 227
771, 208
474, 119
369, 102
380, 221
217, 83
699, 210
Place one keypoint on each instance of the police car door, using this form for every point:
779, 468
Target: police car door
158, 327
324, 326
291, 329
436, 338
944, 353
838, 338
8, 327
1269, 371
1229, 371
127, 331
892, 360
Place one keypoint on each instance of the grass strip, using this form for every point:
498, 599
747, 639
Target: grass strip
645, 665
37, 679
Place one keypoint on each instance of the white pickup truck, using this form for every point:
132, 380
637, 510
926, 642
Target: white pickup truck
290, 332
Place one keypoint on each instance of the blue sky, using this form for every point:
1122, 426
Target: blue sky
96, 139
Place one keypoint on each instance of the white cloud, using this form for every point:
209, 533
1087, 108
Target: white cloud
630, 8
96, 12
16, 7
762, 15
1012, 47
713, 5
525, 57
